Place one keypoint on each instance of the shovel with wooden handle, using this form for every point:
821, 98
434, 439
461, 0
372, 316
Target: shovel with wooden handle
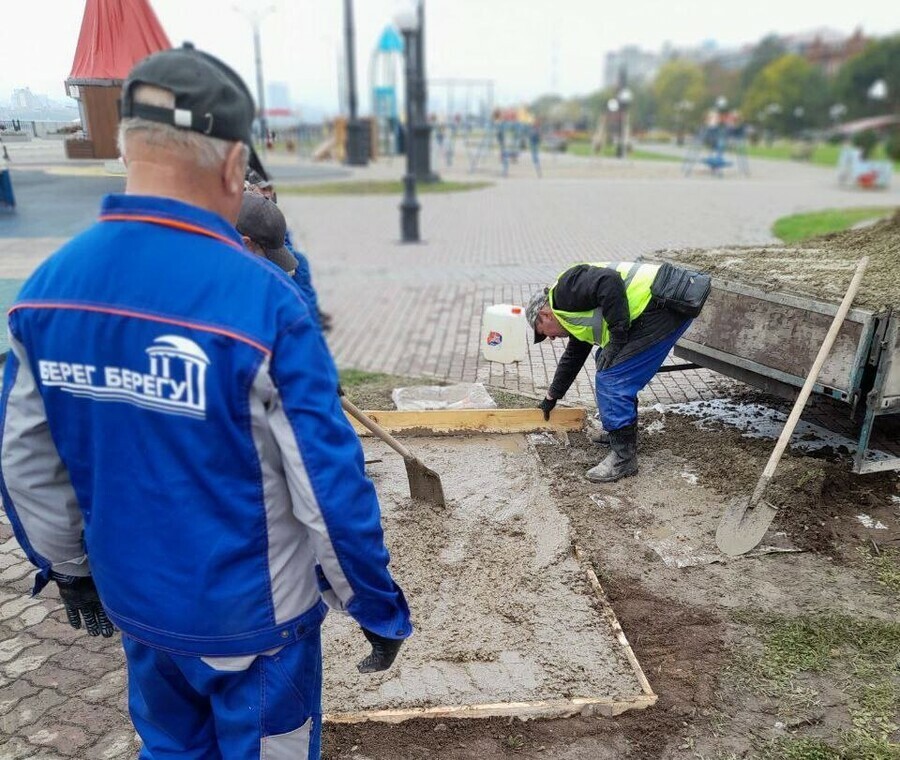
424, 483
745, 522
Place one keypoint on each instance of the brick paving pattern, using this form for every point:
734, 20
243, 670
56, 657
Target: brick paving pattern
405, 310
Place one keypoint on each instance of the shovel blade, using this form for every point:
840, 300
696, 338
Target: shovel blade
742, 527
424, 483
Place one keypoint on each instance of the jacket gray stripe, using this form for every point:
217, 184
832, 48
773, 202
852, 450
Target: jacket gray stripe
594, 321
37, 480
631, 273
303, 500
291, 553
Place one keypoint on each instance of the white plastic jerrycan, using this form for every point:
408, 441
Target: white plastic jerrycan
504, 334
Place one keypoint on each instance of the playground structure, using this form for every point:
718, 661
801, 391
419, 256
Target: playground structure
723, 134
509, 132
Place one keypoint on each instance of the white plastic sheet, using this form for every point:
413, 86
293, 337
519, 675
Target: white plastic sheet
459, 396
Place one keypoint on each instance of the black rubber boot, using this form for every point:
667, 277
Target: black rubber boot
622, 459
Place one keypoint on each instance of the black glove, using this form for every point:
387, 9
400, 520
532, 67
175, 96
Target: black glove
546, 406
384, 652
341, 390
608, 355
79, 595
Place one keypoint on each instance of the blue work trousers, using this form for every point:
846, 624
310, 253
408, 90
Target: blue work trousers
617, 387
185, 709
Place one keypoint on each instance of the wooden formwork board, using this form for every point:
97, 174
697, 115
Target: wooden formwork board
461, 421
556, 708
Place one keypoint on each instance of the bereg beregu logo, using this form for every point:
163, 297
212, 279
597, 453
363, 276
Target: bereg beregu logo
494, 338
174, 382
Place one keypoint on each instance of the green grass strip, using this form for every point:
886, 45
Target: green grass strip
797, 227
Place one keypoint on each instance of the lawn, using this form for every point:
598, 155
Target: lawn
583, 148
378, 187
797, 227
823, 154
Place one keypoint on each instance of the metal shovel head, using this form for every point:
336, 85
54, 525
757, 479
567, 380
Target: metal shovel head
424, 483
742, 527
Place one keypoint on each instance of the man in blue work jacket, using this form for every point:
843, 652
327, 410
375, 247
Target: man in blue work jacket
171, 432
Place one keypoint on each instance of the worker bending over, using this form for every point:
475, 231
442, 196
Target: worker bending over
634, 313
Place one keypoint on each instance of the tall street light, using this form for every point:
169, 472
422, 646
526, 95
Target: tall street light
255, 18
422, 128
407, 23
357, 147
625, 98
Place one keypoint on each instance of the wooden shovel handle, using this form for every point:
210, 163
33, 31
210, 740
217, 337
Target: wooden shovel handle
811, 378
374, 428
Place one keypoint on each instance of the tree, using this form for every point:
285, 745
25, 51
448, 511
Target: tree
680, 93
880, 60
769, 49
788, 95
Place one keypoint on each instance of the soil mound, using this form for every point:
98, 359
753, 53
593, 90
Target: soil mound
820, 267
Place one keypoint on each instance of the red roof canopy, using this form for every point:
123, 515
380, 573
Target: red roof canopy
115, 34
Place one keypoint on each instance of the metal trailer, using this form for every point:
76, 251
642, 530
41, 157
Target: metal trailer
770, 339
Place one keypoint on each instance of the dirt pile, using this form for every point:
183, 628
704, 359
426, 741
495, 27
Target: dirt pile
820, 267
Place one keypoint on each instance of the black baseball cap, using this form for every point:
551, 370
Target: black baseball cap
210, 97
262, 222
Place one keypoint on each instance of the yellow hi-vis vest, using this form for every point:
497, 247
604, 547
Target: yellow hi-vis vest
589, 326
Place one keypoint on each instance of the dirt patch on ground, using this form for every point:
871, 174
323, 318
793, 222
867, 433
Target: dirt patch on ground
681, 650
820, 267
691, 615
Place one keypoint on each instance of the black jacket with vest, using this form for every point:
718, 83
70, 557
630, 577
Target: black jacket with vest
584, 287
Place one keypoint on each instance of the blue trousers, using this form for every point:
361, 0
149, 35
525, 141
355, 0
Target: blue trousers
183, 708
617, 387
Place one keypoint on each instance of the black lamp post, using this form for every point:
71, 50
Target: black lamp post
421, 126
407, 23
357, 146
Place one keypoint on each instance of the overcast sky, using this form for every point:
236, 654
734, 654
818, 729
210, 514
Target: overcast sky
513, 42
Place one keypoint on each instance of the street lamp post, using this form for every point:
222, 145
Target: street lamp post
357, 149
625, 98
421, 128
255, 18
407, 23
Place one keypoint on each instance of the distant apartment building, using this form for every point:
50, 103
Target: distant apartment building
638, 65
827, 48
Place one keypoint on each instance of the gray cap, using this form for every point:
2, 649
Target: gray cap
210, 97
538, 301
262, 222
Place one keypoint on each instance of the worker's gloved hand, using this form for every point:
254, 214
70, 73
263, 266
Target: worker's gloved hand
341, 390
79, 595
546, 406
608, 355
384, 652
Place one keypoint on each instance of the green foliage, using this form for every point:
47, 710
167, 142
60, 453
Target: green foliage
892, 145
797, 227
866, 141
880, 60
788, 83
770, 48
804, 749
678, 84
